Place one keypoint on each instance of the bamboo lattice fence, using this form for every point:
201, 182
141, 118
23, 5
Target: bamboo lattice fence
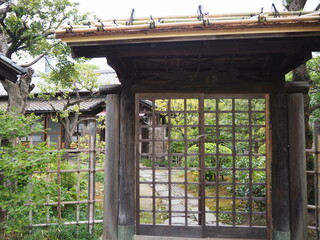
313, 180
77, 168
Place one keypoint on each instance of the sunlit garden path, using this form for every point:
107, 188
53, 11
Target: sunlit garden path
176, 204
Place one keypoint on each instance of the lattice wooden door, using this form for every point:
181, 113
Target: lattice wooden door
202, 165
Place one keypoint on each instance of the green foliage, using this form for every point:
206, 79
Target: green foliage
13, 126
69, 78
257, 177
17, 163
84, 144
313, 67
64, 232
211, 161
28, 23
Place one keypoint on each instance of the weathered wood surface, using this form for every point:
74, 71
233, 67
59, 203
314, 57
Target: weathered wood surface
298, 178
110, 89
280, 162
297, 87
126, 220
210, 46
111, 183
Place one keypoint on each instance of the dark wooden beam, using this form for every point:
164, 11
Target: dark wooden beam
110, 89
298, 171
126, 217
194, 48
280, 161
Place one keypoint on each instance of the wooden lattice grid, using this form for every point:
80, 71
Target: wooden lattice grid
207, 123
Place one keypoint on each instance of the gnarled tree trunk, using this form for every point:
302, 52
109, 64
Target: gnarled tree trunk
18, 92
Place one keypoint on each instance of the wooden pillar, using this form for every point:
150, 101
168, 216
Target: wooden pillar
111, 166
297, 156
280, 162
126, 218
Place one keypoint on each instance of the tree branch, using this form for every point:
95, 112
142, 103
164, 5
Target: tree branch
312, 108
81, 120
94, 94
40, 56
317, 8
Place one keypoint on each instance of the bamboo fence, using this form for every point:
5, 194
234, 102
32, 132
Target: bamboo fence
90, 186
313, 176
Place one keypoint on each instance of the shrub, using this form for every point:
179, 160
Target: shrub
17, 163
211, 161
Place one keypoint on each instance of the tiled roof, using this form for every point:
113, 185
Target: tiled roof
185, 26
12, 64
56, 105
106, 77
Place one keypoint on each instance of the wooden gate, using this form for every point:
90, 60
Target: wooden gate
203, 165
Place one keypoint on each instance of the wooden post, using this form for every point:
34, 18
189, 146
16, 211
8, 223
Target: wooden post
111, 166
280, 162
126, 221
297, 155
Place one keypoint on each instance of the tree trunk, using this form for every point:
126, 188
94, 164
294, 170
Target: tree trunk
18, 92
67, 140
296, 5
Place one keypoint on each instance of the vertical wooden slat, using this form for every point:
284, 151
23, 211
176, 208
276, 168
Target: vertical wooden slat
268, 166
47, 182
111, 166
92, 176
202, 201
59, 185
30, 200
317, 178
153, 164
170, 158
233, 163
185, 141
78, 182
138, 150
217, 161
250, 164
298, 180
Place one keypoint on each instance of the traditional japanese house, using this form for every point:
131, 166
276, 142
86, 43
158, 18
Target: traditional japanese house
90, 108
233, 148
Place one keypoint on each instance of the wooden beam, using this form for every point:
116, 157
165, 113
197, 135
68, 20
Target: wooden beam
206, 84
111, 182
280, 161
298, 171
194, 48
297, 87
126, 220
110, 89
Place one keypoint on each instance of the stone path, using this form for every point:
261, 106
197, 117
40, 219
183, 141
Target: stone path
176, 204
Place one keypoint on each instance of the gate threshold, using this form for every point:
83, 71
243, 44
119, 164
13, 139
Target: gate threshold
144, 237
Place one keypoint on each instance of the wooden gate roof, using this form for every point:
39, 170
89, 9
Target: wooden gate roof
248, 46
186, 28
